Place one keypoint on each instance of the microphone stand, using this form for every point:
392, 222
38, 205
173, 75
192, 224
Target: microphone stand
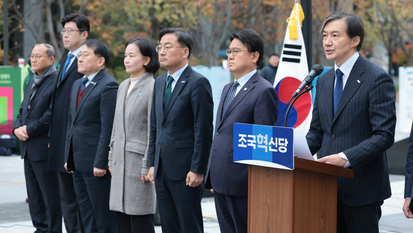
307, 89
288, 103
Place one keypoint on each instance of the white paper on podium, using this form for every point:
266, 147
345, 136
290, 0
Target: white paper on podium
301, 149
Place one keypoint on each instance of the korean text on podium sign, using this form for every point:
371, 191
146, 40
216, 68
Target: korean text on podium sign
268, 146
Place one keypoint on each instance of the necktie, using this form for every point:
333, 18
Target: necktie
83, 84
339, 88
69, 58
230, 96
168, 91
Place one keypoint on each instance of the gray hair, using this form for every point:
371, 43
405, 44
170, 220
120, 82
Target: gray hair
49, 49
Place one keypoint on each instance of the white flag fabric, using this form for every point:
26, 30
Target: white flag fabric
292, 70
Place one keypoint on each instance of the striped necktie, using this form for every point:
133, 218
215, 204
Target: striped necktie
230, 96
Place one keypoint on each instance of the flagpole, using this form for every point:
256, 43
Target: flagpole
307, 30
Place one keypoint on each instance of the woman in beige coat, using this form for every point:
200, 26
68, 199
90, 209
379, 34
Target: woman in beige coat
132, 196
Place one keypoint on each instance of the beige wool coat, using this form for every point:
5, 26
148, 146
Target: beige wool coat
128, 149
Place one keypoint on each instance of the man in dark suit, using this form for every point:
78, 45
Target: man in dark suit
353, 123
31, 127
249, 99
74, 32
408, 184
91, 111
180, 134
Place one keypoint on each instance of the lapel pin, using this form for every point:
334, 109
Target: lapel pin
245, 89
93, 83
358, 81
182, 81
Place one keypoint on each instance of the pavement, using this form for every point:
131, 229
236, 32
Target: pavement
15, 218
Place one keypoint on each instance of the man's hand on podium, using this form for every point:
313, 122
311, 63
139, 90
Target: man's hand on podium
334, 159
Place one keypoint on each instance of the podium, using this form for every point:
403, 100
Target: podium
294, 201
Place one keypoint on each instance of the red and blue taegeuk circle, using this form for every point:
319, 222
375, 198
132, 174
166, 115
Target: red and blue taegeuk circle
302, 106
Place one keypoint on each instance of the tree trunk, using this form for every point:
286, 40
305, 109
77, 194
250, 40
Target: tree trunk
49, 21
33, 20
213, 30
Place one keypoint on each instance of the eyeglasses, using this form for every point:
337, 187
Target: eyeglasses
235, 52
79, 55
37, 57
68, 31
166, 48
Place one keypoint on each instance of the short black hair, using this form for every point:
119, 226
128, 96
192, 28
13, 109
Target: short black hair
273, 54
50, 52
184, 37
147, 49
99, 48
355, 26
81, 21
252, 40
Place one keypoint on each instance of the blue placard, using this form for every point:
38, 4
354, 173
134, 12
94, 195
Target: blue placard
268, 146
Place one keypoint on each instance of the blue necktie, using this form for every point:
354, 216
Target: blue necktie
168, 91
69, 58
230, 96
83, 84
339, 88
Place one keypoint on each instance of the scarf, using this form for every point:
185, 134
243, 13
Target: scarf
39, 79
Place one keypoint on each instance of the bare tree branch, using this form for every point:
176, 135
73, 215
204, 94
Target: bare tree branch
10, 33
213, 29
52, 34
35, 26
400, 27
62, 8
82, 6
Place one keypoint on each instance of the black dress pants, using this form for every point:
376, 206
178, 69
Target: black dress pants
44, 205
70, 207
135, 223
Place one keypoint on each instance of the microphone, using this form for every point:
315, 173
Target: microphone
315, 71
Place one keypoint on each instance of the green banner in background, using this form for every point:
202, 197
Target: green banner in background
11, 96
3, 110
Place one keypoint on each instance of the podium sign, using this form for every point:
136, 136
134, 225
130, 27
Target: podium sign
267, 146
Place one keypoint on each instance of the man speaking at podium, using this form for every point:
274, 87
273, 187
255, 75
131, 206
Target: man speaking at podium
353, 123
249, 99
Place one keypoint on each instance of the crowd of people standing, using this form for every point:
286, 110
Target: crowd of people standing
112, 151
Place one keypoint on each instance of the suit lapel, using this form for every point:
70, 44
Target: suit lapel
26, 99
354, 82
180, 84
89, 89
73, 99
59, 75
249, 86
122, 97
329, 95
160, 90
221, 103
135, 92
69, 70
40, 93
